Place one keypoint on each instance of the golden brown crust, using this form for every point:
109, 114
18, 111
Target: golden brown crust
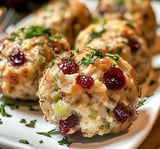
22, 81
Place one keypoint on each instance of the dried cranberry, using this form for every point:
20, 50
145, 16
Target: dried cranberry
121, 112
68, 66
76, 135
16, 58
85, 81
114, 79
134, 44
65, 125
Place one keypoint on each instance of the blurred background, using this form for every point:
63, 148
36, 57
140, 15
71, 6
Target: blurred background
12, 11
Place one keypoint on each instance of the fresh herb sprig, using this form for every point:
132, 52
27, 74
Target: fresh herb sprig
48, 133
95, 53
65, 141
130, 25
31, 124
1, 122
67, 58
35, 31
3, 110
113, 56
95, 35
142, 101
24, 141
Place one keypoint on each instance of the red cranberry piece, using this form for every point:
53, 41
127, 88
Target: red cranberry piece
68, 66
16, 58
114, 79
121, 112
134, 44
85, 81
65, 125
76, 135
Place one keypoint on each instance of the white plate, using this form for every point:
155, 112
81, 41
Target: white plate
11, 131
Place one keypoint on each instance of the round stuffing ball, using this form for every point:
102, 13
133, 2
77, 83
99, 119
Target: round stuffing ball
67, 17
119, 37
24, 55
89, 92
136, 11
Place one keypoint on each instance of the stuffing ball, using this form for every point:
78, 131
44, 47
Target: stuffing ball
67, 17
89, 92
24, 55
136, 11
119, 37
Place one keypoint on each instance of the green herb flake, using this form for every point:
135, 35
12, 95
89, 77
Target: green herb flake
113, 66
60, 35
31, 124
48, 133
13, 36
95, 35
96, 53
65, 141
23, 141
1, 122
151, 82
77, 51
43, 49
41, 42
41, 141
3, 110
71, 55
33, 109
142, 101
114, 57
118, 49
52, 38
22, 120
95, 20
130, 25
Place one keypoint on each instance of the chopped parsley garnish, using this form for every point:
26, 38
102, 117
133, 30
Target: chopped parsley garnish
112, 66
1, 122
67, 58
114, 57
118, 49
130, 25
142, 101
23, 141
48, 133
41, 42
43, 49
3, 110
95, 20
86, 61
35, 31
95, 35
41, 142
31, 124
77, 51
13, 36
33, 109
151, 82
65, 141
23, 120
95, 53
